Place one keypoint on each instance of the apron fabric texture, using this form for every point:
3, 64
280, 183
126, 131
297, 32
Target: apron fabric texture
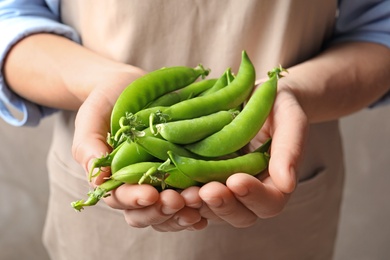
154, 34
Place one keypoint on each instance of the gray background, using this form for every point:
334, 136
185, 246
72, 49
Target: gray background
364, 230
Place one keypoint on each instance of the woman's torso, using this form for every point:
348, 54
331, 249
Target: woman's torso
154, 34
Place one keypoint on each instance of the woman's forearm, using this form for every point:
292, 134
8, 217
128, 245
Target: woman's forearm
344, 79
53, 71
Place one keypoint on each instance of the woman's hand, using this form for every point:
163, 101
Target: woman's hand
313, 91
142, 205
245, 198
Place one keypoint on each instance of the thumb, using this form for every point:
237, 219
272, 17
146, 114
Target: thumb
290, 129
91, 128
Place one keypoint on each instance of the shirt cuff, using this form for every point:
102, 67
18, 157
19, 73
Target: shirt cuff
15, 30
24, 112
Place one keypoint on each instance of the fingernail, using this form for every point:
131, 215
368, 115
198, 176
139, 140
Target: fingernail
214, 202
293, 177
167, 210
196, 205
182, 222
143, 203
88, 166
241, 191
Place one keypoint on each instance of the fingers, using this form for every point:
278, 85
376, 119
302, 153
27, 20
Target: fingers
240, 203
185, 219
243, 200
193, 200
91, 128
168, 203
144, 206
132, 196
264, 199
223, 203
93, 118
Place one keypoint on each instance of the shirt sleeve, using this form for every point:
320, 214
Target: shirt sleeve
19, 19
367, 21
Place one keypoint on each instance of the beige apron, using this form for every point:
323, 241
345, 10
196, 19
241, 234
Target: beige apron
153, 34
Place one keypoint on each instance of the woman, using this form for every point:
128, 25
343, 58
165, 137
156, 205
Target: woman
337, 65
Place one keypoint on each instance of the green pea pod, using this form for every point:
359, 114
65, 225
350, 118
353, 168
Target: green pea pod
245, 126
126, 153
176, 179
134, 173
103, 161
151, 86
222, 82
226, 98
143, 117
192, 130
190, 91
129, 153
152, 173
140, 120
156, 174
205, 171
159, 147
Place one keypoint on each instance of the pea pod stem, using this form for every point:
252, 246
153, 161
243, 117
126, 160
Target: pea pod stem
130, 174
149, 174
103, 161
130, 128
157, 173
96, 194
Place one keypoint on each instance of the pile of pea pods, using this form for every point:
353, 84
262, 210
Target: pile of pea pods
174, 128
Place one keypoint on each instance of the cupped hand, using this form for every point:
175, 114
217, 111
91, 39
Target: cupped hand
142, 205
246, 198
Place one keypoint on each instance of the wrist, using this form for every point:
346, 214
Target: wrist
64, 72
106, 75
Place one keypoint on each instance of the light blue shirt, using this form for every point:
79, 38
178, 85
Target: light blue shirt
359, 20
